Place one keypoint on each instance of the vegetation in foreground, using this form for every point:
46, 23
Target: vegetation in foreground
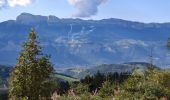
152, 85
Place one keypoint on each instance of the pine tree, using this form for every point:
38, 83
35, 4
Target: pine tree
31, 75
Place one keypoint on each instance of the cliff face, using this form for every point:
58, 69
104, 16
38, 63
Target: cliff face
76, 42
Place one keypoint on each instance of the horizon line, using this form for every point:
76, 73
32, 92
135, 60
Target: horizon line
88, 19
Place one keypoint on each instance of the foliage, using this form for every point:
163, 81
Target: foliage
151, 86
62, 87
80, 88
153, 91
107, 89
30, 77
96, 81
97, 87
82, 97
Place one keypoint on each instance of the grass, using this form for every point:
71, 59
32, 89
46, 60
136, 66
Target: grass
65, 77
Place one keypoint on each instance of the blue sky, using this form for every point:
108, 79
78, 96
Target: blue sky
135, 10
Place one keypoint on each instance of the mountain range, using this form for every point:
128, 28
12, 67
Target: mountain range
81, 43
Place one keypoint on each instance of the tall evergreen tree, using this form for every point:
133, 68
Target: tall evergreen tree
30, 78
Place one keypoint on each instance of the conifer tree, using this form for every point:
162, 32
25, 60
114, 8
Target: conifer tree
30, 78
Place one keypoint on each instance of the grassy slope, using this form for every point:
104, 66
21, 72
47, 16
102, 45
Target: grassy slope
65, 77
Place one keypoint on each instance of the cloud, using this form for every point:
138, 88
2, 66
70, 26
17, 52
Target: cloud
2, 3
86, 8
13, 3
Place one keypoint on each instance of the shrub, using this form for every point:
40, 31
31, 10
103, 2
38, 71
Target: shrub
107, 89
81, 89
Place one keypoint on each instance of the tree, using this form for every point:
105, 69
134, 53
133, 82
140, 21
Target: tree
62, 87
31, 75
107, 89
98, 79
80, 88
132, 88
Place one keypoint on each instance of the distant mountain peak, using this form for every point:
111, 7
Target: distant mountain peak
27, 18
52, 18
26, 14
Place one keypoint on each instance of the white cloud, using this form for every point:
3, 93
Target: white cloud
13, 3
86, 8
2, 3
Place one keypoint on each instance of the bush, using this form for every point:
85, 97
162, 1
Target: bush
107, 89
81, 89
151, 86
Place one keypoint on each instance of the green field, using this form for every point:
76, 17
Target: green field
65, 77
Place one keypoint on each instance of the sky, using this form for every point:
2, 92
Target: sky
135, 10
